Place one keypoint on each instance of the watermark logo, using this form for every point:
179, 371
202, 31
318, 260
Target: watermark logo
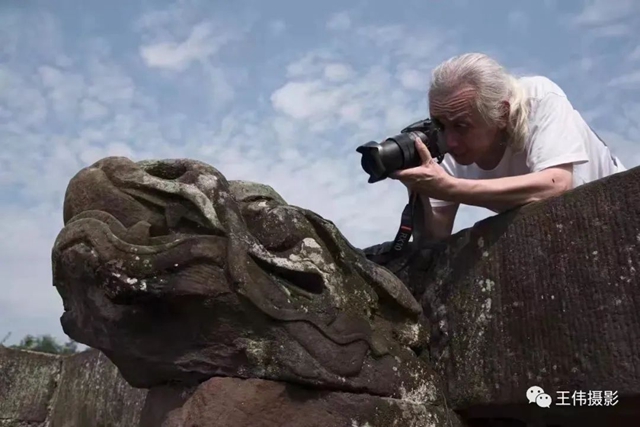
537, 395
587, 398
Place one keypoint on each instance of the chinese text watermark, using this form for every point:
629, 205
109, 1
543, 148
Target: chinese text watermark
538, 396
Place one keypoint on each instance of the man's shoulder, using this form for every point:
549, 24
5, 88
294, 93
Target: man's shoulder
537, 87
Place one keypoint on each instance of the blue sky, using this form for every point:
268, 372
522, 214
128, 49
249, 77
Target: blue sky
279, 92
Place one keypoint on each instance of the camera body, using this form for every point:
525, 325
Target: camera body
399, 152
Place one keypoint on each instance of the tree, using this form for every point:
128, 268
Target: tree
47, 344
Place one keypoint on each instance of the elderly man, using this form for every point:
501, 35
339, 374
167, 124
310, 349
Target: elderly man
511, 142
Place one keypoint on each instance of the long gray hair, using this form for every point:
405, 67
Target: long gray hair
493, 85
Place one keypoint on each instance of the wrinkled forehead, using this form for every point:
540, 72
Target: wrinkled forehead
452, 105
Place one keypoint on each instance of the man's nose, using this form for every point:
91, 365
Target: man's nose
451, 139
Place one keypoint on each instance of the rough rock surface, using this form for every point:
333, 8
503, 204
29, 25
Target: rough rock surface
81, 390
545, 295
92, 393
232, 402
179, 275
27, 384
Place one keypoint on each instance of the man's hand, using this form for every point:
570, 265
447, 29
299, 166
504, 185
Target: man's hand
428, 179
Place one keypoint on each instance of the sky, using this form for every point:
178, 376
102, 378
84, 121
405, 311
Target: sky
277, 92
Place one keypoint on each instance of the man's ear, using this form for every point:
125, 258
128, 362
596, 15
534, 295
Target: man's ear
505, 108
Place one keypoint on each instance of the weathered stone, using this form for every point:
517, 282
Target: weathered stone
545, 295
232, 402
92, 393
27, 384
14, 423
178, 275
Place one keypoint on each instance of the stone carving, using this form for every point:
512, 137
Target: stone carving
179, 275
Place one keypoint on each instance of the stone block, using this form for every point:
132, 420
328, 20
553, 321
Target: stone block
546, 295
93, 393
232, 402
27, 383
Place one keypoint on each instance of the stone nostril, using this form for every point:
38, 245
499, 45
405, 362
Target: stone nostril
164, 170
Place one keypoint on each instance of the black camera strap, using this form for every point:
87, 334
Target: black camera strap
406, 226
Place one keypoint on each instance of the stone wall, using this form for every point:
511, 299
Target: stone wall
83, 390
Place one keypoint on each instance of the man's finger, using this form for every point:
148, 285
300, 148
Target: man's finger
423, 152
400, 174
403, 174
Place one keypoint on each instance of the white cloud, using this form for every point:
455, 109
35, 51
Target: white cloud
63, 89
178, 56
600, 12
305, 100
277, 27
614, 30
339, 21
635, 54
221, 88
607, 18
351, 113
629, 81
413, 79
154, 19
109, 84
338, 72
517, 20
28, 235
326, 90
625, 147
92, 110
175, 40
21, 98
310, 64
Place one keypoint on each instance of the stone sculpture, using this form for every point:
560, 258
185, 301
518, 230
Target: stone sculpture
218, 294
178, 275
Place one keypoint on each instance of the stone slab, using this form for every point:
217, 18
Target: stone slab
232, 402
93, 393
546, 295
27, 384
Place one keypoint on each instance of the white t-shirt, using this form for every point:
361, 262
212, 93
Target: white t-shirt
557, 135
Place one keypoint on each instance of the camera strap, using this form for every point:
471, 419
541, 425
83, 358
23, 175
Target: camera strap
406, 226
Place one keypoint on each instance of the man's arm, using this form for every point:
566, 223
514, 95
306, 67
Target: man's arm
506, 193
436, 223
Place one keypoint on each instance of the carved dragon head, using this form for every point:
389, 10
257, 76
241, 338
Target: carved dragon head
178, 275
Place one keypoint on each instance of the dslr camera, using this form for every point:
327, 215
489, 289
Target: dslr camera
399, 151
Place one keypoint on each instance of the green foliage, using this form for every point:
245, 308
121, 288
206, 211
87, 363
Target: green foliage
46, 344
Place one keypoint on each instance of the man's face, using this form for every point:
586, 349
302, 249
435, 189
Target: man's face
469, 137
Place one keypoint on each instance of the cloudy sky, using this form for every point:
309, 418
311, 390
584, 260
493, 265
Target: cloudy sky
279, 92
